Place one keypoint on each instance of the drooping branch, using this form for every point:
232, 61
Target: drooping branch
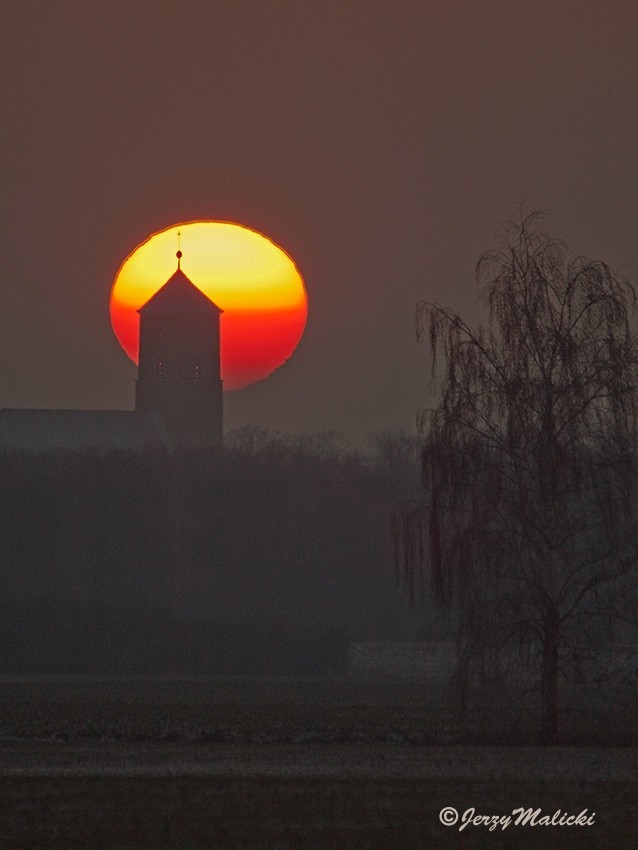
527, 508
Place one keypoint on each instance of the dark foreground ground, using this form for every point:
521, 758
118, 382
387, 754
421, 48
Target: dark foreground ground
282, 764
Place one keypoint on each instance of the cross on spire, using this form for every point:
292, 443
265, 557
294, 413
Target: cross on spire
179, 249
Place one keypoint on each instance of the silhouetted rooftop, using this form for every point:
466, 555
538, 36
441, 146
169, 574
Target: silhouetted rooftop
179, 295
23, 430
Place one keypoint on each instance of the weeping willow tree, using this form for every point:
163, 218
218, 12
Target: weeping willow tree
528, 524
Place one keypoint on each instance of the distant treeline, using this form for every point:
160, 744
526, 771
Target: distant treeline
268, 557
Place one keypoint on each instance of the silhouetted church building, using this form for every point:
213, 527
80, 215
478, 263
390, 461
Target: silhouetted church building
179, 370
178, 393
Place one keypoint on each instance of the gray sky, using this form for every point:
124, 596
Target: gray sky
379, 143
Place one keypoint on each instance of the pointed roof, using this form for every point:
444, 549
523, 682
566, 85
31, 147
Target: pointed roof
179, 295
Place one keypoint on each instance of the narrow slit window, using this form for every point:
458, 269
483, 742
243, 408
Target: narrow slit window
198, 370
160, 369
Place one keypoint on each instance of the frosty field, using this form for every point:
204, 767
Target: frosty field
281, 764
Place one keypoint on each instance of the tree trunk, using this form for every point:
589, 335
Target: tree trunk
549, 677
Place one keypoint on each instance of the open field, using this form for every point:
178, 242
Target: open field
281, 764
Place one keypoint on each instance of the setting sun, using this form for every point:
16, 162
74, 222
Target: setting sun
251, 279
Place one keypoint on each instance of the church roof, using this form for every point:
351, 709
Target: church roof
179, 295
43, 431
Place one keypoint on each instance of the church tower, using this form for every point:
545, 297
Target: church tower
179, 363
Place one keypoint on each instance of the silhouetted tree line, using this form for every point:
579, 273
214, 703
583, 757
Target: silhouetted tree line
267, 557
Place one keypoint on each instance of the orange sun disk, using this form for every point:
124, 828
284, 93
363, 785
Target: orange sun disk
251, 279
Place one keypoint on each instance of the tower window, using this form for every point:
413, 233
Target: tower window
160, 369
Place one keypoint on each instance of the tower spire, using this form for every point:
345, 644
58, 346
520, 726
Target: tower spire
179, 249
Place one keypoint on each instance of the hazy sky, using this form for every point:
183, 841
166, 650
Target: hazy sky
380, 143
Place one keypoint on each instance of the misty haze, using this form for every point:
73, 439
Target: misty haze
318, 444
